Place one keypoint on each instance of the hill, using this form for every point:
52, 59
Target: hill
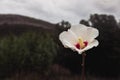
18, 23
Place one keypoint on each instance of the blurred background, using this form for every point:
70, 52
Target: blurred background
30, 48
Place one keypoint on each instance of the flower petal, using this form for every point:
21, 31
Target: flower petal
79, 30
67, 38
92, 33
94, 43
84, 32
68, 45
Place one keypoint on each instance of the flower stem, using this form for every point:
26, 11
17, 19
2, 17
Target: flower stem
83, 67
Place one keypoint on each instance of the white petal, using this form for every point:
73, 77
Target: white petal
68, 45
94, 43
67, 38
80, 30
85, 32
92, 33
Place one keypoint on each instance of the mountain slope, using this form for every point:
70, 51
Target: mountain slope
17, 23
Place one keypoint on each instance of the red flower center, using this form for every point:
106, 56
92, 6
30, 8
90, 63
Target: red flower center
78, 46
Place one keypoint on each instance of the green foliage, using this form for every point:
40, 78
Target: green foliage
30, 50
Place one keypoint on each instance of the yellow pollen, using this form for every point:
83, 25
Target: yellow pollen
82, 45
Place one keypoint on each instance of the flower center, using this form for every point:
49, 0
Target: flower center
81, 44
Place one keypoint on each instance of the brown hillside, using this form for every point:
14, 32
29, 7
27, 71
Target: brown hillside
17, 24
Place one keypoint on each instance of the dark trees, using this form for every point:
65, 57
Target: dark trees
105, 59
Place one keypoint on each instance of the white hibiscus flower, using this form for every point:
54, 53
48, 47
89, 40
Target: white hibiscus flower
79, 38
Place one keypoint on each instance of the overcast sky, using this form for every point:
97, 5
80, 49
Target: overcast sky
56, 10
